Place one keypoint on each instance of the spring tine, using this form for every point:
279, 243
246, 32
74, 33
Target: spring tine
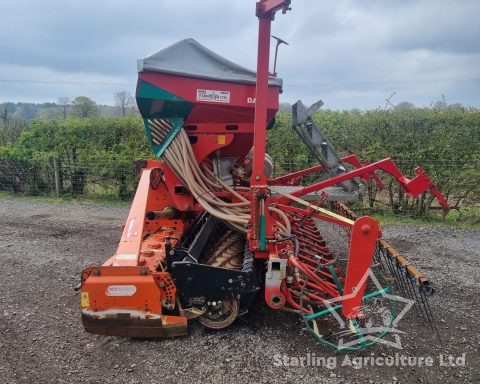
409, 287
417, 305
399, 277
394, 270
382, 256
402, 272
378, 258
386, 258
407, 284
425, 305
413, 294
402, 279
428, 311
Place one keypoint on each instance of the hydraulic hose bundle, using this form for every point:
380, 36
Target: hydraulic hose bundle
203, 184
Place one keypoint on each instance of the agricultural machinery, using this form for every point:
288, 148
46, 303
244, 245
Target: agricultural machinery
210, 227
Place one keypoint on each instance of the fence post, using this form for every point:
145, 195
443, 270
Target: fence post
56, 166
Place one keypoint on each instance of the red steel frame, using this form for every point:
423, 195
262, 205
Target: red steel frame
365, 231
414, 187
292, 178
265, 12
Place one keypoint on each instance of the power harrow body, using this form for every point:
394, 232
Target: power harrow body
210, 227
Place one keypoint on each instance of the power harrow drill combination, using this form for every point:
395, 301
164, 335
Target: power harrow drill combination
210, 228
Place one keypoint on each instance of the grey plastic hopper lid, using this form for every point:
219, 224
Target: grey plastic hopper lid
190, 58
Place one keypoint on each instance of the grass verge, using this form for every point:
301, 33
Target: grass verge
84, 200
466, 217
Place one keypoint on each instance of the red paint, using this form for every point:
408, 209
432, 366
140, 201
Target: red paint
365, 233
238, 110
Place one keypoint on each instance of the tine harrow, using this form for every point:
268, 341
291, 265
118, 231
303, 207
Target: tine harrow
409, 281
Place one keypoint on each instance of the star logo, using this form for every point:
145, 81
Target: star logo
371, 332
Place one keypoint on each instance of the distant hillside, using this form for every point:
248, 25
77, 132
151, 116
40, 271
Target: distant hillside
30, 111
285, 107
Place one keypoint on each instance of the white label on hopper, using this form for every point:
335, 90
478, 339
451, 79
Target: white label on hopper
213, 96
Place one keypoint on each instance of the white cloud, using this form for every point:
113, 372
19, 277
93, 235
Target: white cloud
41, 84
352, 54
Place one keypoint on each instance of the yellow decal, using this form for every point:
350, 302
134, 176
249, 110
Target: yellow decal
84, 299
221, 139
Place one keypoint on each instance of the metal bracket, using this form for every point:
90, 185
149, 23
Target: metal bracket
276, 273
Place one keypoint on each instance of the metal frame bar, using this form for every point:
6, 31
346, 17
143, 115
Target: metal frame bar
350, 159
414, 187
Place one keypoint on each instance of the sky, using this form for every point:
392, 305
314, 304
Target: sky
349, 53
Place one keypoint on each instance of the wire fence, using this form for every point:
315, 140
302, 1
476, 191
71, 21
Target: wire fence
96, 181
459, 181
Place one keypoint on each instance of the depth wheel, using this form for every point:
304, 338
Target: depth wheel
220, 314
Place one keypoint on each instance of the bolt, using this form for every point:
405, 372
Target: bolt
171, 253
257, 178
214, 303
365, 229
230, 281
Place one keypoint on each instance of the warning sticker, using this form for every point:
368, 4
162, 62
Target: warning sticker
221, 139
126, 256
213, 96
131, 228
84, 299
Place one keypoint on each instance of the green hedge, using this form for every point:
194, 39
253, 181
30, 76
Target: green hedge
446, 143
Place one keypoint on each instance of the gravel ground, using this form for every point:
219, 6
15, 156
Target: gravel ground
44, 246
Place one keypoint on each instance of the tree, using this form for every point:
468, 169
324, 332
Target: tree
441, 104
456, 106
404, 105
64, 103
124, 101
84, 107
5, 115
50, 114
